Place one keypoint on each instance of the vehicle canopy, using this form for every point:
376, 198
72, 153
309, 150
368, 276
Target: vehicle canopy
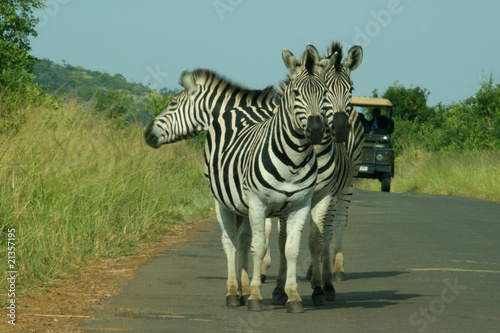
369, 102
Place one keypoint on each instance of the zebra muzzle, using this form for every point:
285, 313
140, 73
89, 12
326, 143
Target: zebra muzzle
340, 127
315, 129
151, 138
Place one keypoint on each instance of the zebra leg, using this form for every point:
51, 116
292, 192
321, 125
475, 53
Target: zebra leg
244, 242
296, 218
318, 213
257, 216
341, 217
279, 296
267, 259
229, 238
327, 240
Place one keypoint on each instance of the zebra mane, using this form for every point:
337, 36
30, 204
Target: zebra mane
282, 86
335, 47
201, 76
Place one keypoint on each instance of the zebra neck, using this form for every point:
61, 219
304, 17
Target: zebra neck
288, 136
220, 96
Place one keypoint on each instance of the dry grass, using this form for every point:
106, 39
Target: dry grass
75, 188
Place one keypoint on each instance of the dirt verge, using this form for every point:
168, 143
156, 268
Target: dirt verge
72, 300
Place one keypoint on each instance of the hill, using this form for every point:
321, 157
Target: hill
87, 85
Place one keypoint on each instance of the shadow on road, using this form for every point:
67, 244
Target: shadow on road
372, 299
361, 299
369, 275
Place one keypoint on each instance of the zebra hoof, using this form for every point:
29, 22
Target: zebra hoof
263, 278
309, 274
338, 276
294, 307
255, 305
244, 300
232, 301
279, 296
330, 292
319, 297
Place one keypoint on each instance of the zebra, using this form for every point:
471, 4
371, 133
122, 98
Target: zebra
338, 166
341, 85
339, 78
190, 112
204, 92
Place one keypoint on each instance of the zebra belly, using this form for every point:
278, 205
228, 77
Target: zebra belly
276, 196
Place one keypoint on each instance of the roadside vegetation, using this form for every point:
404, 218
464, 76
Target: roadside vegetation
76, 187
474, 173
446, 149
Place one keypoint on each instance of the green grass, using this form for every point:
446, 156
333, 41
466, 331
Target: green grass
474, 174
77, 188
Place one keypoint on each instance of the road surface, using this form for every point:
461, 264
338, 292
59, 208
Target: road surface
414, 263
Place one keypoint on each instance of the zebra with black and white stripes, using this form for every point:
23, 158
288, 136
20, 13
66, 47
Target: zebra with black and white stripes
338, 164
340, 85
269, 168
192, 111
339, 77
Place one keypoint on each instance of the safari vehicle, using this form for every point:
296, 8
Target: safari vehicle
378, 156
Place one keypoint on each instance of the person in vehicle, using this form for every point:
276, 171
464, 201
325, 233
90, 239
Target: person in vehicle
366, 124
380, 124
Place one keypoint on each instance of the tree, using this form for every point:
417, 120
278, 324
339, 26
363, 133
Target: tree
475, 122
408, 103
17, 25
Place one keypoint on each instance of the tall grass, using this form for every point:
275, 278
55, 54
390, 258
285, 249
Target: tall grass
75, 187
473, 174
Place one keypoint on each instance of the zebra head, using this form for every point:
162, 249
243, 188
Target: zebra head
339, 82
306, 94
177, 122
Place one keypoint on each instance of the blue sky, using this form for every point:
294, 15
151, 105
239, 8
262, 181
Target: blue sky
445, 46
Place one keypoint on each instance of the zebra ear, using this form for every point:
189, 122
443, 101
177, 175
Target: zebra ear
311, 58
327, 63
293, 65
314, 53
354, 57
189, 84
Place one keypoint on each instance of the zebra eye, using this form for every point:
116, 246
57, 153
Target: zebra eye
296, 92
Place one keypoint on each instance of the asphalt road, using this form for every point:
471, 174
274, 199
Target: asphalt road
414, 263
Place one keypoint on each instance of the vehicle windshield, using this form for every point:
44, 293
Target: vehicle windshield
379, 122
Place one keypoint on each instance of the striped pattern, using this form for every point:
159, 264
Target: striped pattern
340, 83
191, 111
338, 164
269, 168
205, 92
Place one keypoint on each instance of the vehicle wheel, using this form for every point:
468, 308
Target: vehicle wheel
386, 182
